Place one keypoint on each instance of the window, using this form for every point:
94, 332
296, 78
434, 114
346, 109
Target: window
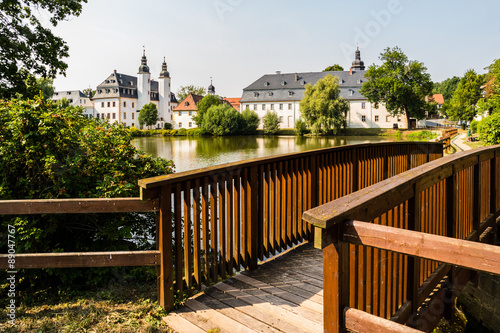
133, 105
363, 105
190, 124
255, 107
272, 106
124, 115
388, 119
351, 92
190, 113
133, 115
133, 125
97, 115
114, 115
263, 107
399, 118
283, 83
108, 115
109, 104
363, 118
102, 104
180, 113
341, 81
180, 124
114, 104
376, 118
255, 94
289, 106
124, 104
270, 93
281, 119
290, 93
186, 103
281, 106
248, 107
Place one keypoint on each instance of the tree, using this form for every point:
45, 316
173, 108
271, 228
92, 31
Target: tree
148, 115
203, 106
222, 120
446, 87
322, 107
489, 129
35, 86
89, 92
271, 122
399, 83
27, 47
333, 68
250, 122
300, 127
465, 97
48, 152
492, 88
184, 91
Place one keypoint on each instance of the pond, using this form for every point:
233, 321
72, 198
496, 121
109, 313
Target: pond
190, 153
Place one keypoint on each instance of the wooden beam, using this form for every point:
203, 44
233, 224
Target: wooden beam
477, 256
360, 321
77, 206
83, 259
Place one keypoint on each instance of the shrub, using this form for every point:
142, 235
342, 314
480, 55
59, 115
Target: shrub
474, 126
300, 127
48, 152
173, 132
251, 122
222, 120
489, 129
271, 122
135, 132
181, 132
167, 126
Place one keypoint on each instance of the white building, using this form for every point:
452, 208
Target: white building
76, 98
120, 97
283, 92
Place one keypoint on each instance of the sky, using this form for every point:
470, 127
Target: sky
237, 41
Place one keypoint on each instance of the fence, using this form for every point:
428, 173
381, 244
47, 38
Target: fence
416, 226
213, 221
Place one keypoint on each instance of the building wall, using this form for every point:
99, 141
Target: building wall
107, 108
288, 111
182, 119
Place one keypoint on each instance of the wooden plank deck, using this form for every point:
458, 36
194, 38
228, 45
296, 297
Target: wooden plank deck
285, 294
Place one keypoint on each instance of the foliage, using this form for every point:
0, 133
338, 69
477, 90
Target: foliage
493, 87
35, 86
322, 107
203, 106
222, 120
446, 87
89, 92
399, 83
271, 122
167, 126
421, 136
184, 91
300, 127
47, 152
333, 68
465, 97
148, 115
489, 129
250, 122
474, 126
27, 46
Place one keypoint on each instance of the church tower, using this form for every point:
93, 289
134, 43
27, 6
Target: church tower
211, 88
357, 64
143, 83
164, 110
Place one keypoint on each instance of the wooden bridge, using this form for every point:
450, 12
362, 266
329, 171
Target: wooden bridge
424, 216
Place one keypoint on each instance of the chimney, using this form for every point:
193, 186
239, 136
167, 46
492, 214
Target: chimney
278, 72
350, 72
296, 77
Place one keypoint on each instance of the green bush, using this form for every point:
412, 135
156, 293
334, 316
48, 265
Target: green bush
194, 132
271, 122
181, 132
422, 136
489, 129
222, 120
48, 152
474, 126
135, 132
251, 122
167, 126
301, 127
173, 132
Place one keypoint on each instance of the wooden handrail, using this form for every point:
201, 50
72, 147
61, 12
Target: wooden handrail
360, 321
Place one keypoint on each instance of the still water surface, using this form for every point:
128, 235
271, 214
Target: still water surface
190, 153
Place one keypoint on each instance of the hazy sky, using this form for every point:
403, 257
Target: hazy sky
237, 41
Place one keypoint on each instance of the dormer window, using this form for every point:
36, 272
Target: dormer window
99, 91
270, 93
351, 92
359, 81
266, 84
107, 81
255, 94
290, 93
186, 104
131, 83
283, 83
341, 81
302, 82
107, 91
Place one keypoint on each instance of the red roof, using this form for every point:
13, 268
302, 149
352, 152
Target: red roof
235, 102
189, 103
438, 98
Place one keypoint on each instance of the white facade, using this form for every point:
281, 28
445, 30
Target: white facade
76, 98
288, 111
184, 119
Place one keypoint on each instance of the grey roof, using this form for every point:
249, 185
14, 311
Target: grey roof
68, 94
122, 85
291, 86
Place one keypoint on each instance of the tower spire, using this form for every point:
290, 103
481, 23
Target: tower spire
164, 71
358, 64
144, 63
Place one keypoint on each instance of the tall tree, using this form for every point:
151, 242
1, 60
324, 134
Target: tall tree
203, 106
333, 68
222, 120
446, 87
465, 97
184, 91
492, 88
271, 122
26, 46
148, 115
322, 107
399, 83
35, 86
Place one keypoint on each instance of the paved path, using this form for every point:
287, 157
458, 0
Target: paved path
458, 142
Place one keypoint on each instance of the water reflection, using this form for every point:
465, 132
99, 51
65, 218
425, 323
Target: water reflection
190, 153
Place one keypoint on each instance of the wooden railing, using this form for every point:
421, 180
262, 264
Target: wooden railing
212, 222
228, 217
398, 263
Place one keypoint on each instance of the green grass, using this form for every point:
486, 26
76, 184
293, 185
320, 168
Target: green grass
421, 136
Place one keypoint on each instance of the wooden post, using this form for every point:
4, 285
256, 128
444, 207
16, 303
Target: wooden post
414, 207
254, 221
335, 278
493, 192
164, 245
476, 209
451, 231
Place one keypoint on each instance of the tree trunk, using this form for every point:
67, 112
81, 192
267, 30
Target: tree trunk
408, 124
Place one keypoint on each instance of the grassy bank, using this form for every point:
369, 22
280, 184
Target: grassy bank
120, 308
